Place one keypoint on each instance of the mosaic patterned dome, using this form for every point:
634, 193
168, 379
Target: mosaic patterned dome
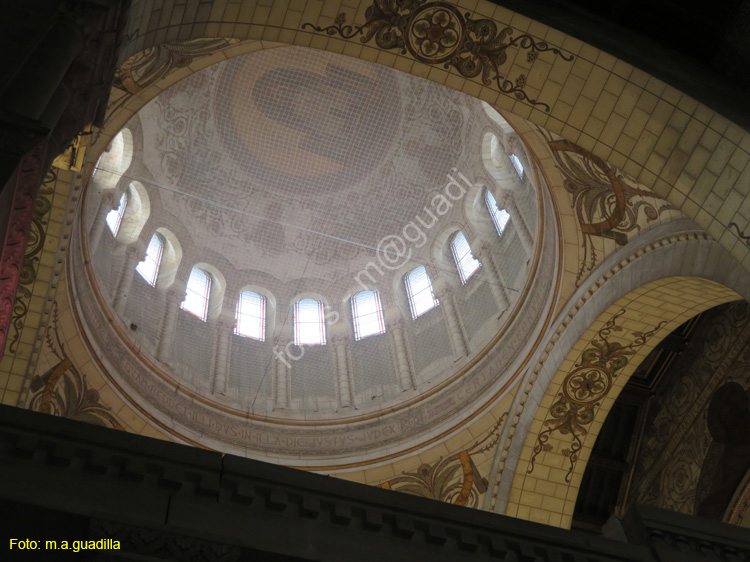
298, 176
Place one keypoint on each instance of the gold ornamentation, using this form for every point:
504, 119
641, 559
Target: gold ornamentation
438, 33
606, 202
585, 387
443, 481
63, 390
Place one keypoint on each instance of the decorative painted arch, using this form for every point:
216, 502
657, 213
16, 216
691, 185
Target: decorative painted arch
623, 115
667, 141
543, 452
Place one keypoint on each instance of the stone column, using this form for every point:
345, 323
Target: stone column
520, 223
224, 331
405, 375
343, 377
173, 298
494, 277
282, 373
99, 224
125, 283
455, 332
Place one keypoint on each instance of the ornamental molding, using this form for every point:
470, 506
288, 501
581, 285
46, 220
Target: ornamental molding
438, 33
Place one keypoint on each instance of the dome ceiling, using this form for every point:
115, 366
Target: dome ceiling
284, 171
272, 158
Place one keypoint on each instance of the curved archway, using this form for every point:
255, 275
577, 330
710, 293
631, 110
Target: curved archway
653, 297
136, 214
114, 162
170, 261
558, 122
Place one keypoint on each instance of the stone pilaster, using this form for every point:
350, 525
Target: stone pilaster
125, 283
281, 380
520, 223
494, 277
173, 298
460, 346
98, 226
343, 375
405, 374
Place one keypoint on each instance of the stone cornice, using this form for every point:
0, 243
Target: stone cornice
88, 471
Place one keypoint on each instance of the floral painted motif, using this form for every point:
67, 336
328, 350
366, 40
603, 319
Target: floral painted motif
438, 33
607, 203
584, 388
454, 479
63, 390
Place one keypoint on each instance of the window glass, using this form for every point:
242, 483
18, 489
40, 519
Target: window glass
499, 216
309, 323
517, 165
196, 296
149, 267
251, 316
419, 291
114, 217
367, 314
466, 263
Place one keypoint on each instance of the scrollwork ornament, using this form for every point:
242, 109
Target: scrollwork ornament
584, 388
437, 33
587, 384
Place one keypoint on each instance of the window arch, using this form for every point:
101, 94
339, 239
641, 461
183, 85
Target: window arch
251, 316
309, 322
499, 216
149, 267
114, 217
137, 213
114, 161
517, 165
419, 291
496, 152
466, 263
367, 314
197, 293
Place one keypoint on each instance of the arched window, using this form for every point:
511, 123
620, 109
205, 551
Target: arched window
466, 263
495, 151
517, 165
112, 154
419, 291
149, 267
251, 316
114, 161
114, 217
196, 296
309, 323
367, 314
499, 216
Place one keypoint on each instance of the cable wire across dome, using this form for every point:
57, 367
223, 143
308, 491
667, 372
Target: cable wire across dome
301, 265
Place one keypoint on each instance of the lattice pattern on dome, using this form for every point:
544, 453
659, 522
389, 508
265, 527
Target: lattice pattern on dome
299, 198
284, 170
